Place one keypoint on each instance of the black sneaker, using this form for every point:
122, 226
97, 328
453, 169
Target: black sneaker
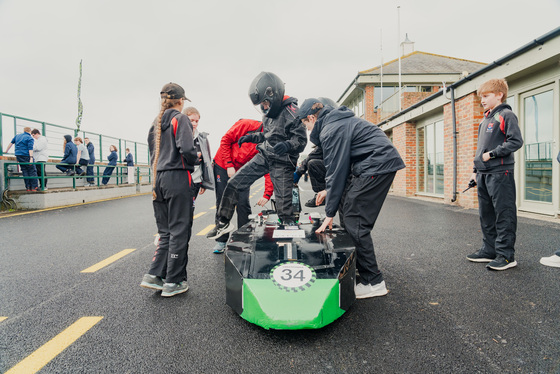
311, 202
500, 263
480, 257
220, 229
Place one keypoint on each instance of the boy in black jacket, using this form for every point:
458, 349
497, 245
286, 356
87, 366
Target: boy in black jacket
355, 148
498, 138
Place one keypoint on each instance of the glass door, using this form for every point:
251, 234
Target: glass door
536, 159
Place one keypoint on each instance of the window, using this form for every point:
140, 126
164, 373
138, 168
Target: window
378, 94
538, 140
430, 152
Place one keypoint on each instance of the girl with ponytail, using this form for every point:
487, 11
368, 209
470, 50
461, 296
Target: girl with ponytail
173, 156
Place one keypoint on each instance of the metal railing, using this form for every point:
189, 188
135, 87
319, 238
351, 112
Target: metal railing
55, 137
143, 174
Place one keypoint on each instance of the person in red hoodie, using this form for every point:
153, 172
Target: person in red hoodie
229, 158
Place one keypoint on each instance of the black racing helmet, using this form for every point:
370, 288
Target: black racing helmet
267, 87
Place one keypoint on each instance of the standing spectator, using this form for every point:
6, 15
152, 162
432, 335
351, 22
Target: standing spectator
554, 260
130, 163
83, 156
229, 158
173, 156
41, 156
70, 156
499, 137
113, 157
91, 151
24, 153
203, 175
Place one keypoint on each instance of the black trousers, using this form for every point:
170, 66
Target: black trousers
281, 174
108, 171
317, 173
243, 209
173, 213
363, 201
89, 172
28, 171
81, 162
498, 213
40, 166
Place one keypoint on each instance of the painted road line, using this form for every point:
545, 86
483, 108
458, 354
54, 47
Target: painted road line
42, 356
3, 318
214, 207
206, 230
108, 261
198, 215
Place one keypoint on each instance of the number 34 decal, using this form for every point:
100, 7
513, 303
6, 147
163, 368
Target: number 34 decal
293, 276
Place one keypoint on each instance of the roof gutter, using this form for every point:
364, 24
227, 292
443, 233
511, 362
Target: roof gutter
536, 42
347, 88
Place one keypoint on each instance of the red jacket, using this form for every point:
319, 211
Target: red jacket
231, 155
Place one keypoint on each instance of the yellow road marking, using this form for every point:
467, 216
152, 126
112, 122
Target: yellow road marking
214, 207
3, 318
107, 261
71, 205
206, 230
198, 215
42, 356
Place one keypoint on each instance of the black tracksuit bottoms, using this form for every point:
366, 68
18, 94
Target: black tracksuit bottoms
317, 173
281, 174
362, 204
243, 209
498, 213
173, 212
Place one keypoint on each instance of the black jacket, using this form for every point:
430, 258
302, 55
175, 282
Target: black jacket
499, 133
176, 150
284, 127
352, 145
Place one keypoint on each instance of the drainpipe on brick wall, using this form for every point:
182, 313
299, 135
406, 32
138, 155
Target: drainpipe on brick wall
454, 121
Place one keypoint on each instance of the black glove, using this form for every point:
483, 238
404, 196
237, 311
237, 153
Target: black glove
282, 148
247, 139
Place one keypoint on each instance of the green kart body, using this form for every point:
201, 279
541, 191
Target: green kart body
289, 277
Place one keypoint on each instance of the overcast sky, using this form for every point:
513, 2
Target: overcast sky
214, 49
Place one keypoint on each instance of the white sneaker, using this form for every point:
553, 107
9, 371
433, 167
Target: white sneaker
364, 291
553, 261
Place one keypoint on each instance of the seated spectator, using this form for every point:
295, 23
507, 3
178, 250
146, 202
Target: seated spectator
112, 163
70, 156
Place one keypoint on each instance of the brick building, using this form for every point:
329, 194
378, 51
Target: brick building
438, 145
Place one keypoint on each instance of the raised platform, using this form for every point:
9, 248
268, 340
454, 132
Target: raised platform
67, 196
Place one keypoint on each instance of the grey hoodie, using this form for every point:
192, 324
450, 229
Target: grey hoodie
176, 150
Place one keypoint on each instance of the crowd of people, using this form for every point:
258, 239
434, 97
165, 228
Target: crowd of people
32, 154
351, 169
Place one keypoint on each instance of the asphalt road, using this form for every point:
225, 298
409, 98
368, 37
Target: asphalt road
443, 314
